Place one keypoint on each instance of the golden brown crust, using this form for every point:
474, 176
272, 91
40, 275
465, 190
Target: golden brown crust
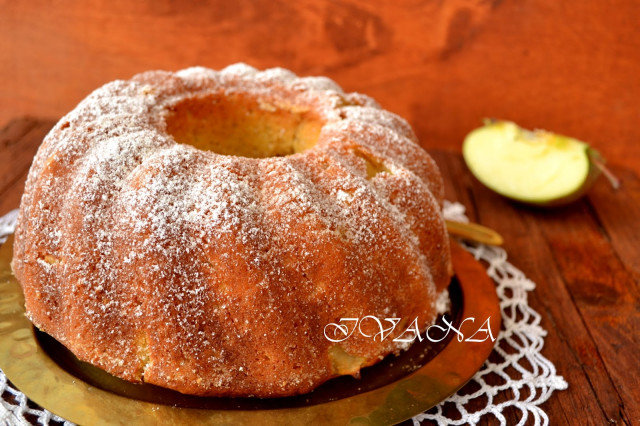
216, 274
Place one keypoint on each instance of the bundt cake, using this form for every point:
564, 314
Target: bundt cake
199, 230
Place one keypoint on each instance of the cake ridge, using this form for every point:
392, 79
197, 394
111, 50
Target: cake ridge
214, 274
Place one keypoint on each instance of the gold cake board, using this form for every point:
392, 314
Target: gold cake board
392, 391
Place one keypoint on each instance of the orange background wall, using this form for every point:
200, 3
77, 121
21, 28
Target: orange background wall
568, 66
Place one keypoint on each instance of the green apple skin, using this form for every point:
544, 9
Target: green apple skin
511, 134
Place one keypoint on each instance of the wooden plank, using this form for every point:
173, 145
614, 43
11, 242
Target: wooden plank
607, 304
618, 213
457, 181
10, 199
14, 130
584, 264
604, 292
19, 142
17, 156
591, 395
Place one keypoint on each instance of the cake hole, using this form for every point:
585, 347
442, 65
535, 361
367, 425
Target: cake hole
373, 165
240, 125
343, 362
48, 258
143, 354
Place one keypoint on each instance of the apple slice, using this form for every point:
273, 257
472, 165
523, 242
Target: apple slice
533, 167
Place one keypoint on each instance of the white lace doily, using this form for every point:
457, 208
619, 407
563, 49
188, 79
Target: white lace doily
516, 361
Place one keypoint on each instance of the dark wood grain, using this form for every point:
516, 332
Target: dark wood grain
584, 259
19, 141
569, 344
570, 67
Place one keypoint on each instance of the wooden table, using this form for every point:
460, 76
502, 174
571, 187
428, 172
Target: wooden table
584, 258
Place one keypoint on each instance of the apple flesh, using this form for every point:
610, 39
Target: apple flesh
533, 167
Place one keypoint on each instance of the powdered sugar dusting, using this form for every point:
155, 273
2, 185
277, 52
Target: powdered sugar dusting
215, 274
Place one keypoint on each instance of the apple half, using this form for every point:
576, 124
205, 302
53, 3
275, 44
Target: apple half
533, 167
